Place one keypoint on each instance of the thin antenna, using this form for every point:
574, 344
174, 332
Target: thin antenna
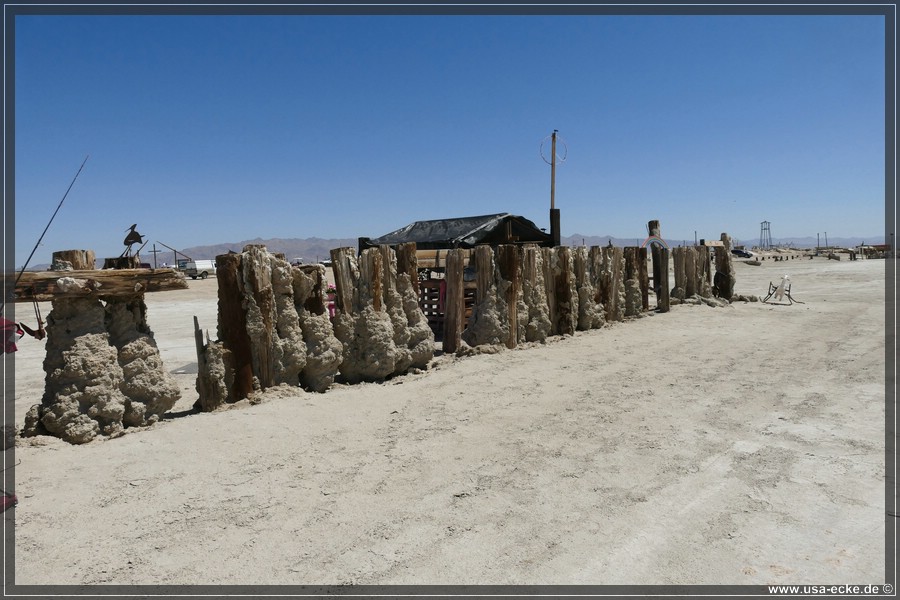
33, 250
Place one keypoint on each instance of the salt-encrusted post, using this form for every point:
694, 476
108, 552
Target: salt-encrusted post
258, 276
489, 323
724, 279
660, 269
534, 294
454, 303
409, 264
549, 259
420, 338
633, 301
103, 368
343, 264
612, 285
76, 260
679, 260
363, 322
590, 312
644, 279
324, 352
690, 271
510, 272
566, 294
232, 327
704, 274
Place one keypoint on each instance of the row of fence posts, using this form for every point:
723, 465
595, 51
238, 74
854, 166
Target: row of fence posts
274, 328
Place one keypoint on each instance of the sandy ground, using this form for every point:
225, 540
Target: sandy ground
736, 445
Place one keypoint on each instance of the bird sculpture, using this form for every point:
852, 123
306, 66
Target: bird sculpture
133, 237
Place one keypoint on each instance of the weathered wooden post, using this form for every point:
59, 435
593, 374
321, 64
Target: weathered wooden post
566, 295
644, 279
364, 322
660, 256
724, 279
76, 260
490, 320
679, 260
454, 304
510, 272
612, 284
534, 294
590, 312
409, 264
258, 276
633, 293
704, 274
549, 259
232, 327
343, 264
690, 271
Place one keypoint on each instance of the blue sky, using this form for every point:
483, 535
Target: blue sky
208, 129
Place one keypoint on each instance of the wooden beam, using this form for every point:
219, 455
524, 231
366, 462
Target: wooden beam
43, 286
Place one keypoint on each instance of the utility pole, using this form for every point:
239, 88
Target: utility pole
553, 172
817, 243
154, 252
826, 239
554, 212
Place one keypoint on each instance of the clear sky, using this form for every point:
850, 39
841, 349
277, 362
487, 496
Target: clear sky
209, 129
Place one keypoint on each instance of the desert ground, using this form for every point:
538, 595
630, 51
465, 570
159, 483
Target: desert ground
736, 445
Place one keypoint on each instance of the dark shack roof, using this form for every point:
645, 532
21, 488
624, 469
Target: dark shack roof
466, 232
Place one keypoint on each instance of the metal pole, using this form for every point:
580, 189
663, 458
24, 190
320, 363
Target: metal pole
826, 239
553, 172
817, 243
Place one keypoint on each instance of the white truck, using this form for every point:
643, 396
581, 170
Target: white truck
200, 268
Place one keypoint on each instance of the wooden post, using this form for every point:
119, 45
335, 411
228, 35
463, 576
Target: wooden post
632, 256
484, 271
690, 271
371, 276
660, 269
662, 302
408, 263
233, 322
612, 284
644, 278
704, 274
454, 304
725, 279
315, 303
81, 260
566, 307
551, 257
342, 264
508, 264
122, 262
679, 259
632, 262
258, 274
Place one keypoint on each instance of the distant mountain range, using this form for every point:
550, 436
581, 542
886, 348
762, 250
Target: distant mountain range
317, 249
794, 242
313, 249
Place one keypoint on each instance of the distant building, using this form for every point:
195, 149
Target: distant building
463, 232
